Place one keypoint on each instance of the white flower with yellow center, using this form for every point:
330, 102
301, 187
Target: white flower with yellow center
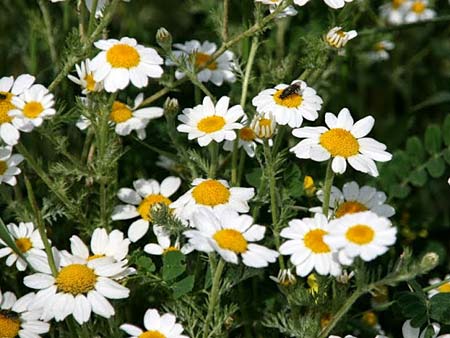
33, 106
444, 288
230, 235
206, 122
164, 244
263, 125
200, 54
146, 195
418, 10
363, 234
331, 3
380, 51
124, 60
85, 78
307, 248
394, 11
8, 165
338, 38
212, 194
288, 11
156, 326
354, 199
343, 141
289, 104
16, 320
78, 289
9, 128
28, 241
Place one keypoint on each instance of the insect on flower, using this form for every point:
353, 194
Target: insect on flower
294, 88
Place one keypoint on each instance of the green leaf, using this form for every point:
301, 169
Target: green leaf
436, 167
400, 191
183, 286
433, 139
446, 130
446, 155
413, 306
438, 98
173, 265
400, 163
415, 150
418, 177
294, 181
254, 177
146, 264
440, 308
429, 332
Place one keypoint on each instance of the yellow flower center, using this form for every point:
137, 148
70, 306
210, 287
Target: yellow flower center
230, 239
152, 334
202, 59
123, 56
9, 324
246, 134
444, 288
211, 192
33, 109
397, 3
339, 142
92, 257
5, 107
379, 47
24, 244
349, 207
76, 279
149, 202
3, 167
370, 318
90, 82
418, 7
325, 320
120, 112
265, 122
170, 249
314, 241
360, 234
308, 185
293, 100
313, 284
211, 124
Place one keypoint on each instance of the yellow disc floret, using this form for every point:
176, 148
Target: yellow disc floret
202, 60
76, 279
444, 288
33, 109
145, 207
24, 244
90, 82
339, 142
5, 107
293, 100
246, 134
120, 112
211, 193
9, 324
3, 167
360, 234
211, 124
170, 249
152, 334
349, 207
123, 56
230, 239
314, 241
397, 3
418, 7
92, 257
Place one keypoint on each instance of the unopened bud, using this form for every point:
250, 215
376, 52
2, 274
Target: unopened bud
164, 39
171, 106
429, 261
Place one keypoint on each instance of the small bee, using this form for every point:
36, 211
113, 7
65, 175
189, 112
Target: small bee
3, 96
294, 88
9, 315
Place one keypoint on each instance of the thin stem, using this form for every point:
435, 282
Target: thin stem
226, 7
329, 176
7, 239
214, 158
241, 166
41, 227
155, 149
92, 16
48, 30
162, 92
213, 297
436, 285
81, 13
197, 95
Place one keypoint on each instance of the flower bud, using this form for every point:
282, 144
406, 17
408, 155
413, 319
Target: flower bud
164, 39
171, 106
429, 261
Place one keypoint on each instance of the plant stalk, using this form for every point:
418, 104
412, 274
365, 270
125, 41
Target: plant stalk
329, 176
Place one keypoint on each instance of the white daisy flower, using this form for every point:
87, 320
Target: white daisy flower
380, 51
354, 199
164, 244
16, 320
33, 106
409, 331
77, 290
263, 125
288, 11
217, 71
289, 104
307, 248
9, 128
441, 289
343, 141
363, 234
418, 11
85, 78
331, 3
156, 326
206, 122
338, 38
101, 5
28, 241
230, 234
140, 202
394, 11
212, 194
8, 165
124, 60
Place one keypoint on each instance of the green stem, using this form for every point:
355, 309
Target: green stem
48, 30
5, 236
197, 95
279, 138
436, 285
81, 13
155, 149
226, 7
329, 176
92, 16
241, 166
41, 228
213, 297
214, 158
